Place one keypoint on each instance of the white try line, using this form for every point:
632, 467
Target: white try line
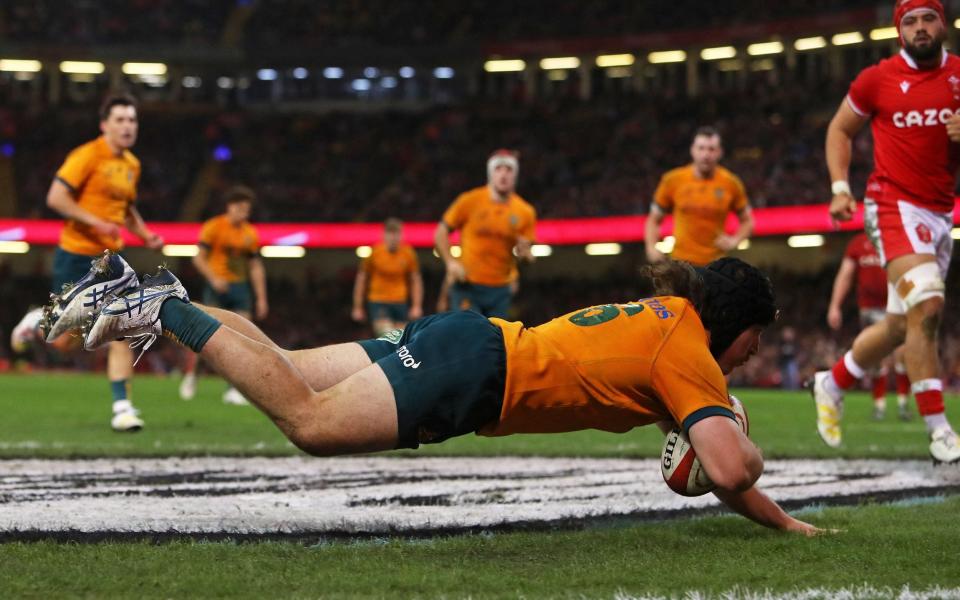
383, 495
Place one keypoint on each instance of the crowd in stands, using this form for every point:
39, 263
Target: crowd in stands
577, 158
313, 23
107, 22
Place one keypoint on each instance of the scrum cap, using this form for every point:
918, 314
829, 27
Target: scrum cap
736, 297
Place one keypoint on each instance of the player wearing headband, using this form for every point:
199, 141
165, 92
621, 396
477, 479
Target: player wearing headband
911, 100
495, 225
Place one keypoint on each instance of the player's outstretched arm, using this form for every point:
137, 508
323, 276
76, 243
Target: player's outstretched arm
759, 508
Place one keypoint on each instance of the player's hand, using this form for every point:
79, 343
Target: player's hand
358, 314
443, 304
953, 128
106, 228
262, 309
221, 286
843, 207
455, 271
415, 312
725, 242
153, 241
798, 526
655, 256
834, 317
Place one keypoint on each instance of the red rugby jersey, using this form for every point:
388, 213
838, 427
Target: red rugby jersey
913, 158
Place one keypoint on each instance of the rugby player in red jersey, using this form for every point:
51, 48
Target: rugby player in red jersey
911, 100
861, 265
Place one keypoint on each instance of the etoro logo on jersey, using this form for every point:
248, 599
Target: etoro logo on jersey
927, 117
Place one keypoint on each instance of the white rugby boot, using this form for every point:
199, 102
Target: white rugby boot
829, 409
109, 274
234, 397
135, 314
26, 332
944, 445
126, 421
188, 386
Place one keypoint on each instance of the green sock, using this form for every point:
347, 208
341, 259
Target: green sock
187, 324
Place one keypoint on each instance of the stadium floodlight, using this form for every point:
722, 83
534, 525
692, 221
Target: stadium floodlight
504, 65
78, 67
615, 60
333, 72
666, 244
718, 53
884, 33
443, 73
407, 72
455, 251
602, 249
666, 56
743, 245
360, 85
956, 23
810, 43
764, 48
805, 241
225, 83
364, 251
300, 73
267, 74
845, 39
8, 247
191, 81
541, 250
389, 82
371, 72
558, 75
955, 233
283, 252
560, 62
136, 68
180, 250
20, 66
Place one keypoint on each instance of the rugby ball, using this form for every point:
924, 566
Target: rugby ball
678, 461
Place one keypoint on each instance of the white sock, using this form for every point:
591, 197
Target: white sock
831, 384
120, 406
852, 366
935, 422
901, 400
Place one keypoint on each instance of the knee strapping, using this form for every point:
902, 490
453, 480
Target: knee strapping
920, 283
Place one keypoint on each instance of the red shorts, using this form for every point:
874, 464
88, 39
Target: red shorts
898, 228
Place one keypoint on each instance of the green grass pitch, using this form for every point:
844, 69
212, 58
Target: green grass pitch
883, 547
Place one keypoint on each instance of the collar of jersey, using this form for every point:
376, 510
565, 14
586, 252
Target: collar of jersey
913, 64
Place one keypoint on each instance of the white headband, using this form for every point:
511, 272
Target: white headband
502, 159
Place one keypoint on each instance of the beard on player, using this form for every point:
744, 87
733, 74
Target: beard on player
924, 47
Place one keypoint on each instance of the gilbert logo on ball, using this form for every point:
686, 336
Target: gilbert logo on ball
679, 464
